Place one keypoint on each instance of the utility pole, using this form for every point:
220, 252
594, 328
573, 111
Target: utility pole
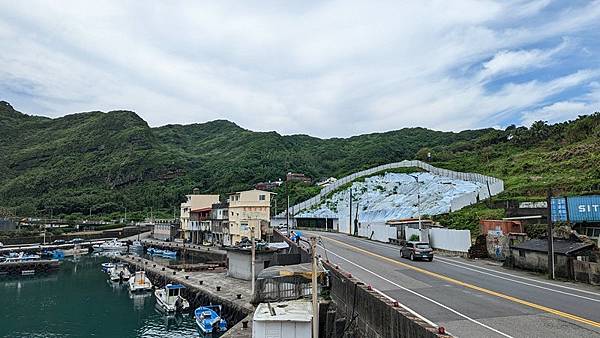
550, 236
287, 213
350, 217
315, 300
253, 264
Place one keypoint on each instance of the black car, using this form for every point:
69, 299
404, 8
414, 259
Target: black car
417, 250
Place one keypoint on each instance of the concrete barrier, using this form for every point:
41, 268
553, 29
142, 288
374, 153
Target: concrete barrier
374, 315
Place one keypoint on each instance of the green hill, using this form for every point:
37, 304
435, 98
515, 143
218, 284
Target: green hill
108, 161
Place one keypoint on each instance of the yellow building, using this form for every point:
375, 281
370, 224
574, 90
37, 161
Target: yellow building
194, 202
248, 209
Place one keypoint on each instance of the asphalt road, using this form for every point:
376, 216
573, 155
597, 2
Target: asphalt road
469, 298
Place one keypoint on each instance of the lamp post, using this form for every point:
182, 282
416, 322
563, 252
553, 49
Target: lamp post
315, 300
418, 198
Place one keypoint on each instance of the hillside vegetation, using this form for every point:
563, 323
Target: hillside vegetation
104, 162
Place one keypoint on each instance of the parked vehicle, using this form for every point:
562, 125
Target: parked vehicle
416, 250
59, 241
76, 241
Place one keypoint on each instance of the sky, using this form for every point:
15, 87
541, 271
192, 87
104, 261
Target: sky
323, 68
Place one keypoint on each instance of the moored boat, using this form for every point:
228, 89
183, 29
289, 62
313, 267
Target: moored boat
139, 282
119, 273
169, 298
208, 319
113, 245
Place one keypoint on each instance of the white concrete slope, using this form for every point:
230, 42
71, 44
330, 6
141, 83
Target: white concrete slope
454, 189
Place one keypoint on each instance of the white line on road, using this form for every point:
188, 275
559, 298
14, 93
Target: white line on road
445, 260
494, 272
421, 296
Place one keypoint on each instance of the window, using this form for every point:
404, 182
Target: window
261, 197
596, 232
521, 253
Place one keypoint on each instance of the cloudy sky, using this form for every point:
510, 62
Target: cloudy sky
324, 68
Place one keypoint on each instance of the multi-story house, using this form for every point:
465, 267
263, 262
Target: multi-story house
219, 226
195, 203
248, 210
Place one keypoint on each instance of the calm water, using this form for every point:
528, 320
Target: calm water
77, 301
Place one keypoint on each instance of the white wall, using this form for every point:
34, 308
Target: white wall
450, 239
381, 231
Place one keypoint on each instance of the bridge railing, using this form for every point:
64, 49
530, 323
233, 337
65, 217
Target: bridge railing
494, 185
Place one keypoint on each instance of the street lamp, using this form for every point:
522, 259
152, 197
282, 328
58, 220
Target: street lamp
418, 198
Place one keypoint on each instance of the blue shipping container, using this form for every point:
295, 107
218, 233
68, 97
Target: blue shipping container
576, 209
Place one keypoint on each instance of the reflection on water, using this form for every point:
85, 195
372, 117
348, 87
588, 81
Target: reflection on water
79, 301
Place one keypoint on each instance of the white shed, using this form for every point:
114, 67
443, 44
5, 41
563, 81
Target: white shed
292, 319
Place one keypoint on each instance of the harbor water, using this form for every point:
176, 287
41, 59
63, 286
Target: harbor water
78, 301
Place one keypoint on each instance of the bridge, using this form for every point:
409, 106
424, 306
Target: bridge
494, 185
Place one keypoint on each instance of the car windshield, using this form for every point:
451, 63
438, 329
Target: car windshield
422, 245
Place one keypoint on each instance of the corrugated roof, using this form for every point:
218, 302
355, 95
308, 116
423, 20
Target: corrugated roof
561, 246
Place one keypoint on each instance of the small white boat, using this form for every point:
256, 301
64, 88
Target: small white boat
170, 300
119, 273
107, 267
140, 282
136, 246
113, 245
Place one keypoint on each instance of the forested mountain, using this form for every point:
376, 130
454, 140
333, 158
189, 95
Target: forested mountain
108, 161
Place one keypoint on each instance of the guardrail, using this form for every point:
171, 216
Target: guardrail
494, 185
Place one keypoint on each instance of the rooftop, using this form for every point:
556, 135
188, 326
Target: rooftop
292, 311
561, 246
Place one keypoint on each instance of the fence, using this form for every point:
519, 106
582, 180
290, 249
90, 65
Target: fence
494, 185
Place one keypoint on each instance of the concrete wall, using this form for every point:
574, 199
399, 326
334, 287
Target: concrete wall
587, 272
375, 315
381, 231
538, 261
240, 263
450, 239
496, 186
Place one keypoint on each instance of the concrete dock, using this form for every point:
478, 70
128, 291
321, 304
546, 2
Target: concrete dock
202, 287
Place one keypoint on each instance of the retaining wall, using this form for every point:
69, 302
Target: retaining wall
495, 185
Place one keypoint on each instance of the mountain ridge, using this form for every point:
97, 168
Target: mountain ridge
108, 161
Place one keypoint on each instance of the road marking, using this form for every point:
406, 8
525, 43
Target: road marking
518, 281
474, 287
422, 296
447, 261
443, 259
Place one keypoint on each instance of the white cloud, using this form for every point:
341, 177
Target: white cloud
332, 68
566, 110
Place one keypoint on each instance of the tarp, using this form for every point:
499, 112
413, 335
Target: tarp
303, 270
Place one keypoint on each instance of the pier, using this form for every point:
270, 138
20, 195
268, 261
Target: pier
202, 288
29, 267
213, 254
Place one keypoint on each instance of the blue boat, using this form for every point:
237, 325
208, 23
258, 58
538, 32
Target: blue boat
169, 254
209, 319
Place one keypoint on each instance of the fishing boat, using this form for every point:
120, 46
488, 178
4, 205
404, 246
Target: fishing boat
208, 319
21, 257
169, 254
170, 300
136, 246
106, 267
139, 282
119, 273
113, 245
162, 253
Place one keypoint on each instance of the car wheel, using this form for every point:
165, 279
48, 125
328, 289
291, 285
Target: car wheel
430, 259
412, 256
401, 254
